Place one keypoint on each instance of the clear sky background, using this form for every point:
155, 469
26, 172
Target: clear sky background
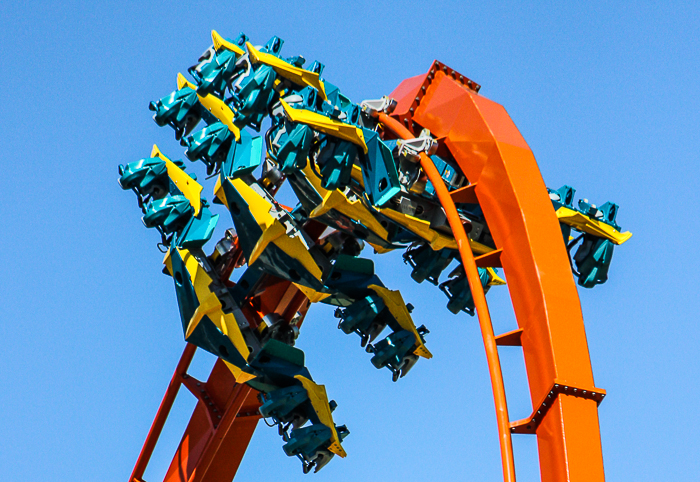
606, 95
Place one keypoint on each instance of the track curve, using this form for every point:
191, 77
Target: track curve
502, 169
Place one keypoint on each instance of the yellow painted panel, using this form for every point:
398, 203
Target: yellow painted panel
168, 262
494, 279
219, 42
356, 174
269, 234
238, 374
421, 228
591, 226
213, 104
379, 249
201, 282
296, 74
219, 192
313, 295
190, 188
319, 400
396, 305
326, 125
340, 202
273, 231
207, 306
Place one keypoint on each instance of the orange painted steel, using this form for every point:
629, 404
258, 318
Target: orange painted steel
212, 448
492, 153
162, 414
219, 429
470, 268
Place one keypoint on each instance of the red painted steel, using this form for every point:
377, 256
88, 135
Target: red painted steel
492, 153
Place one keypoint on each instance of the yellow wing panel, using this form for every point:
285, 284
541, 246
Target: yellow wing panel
213, 104
421, 228
319, 400
340, 202
326, 125
296, 74
220, 42
313, 295
494, 279
210, 305
238, 374
190, 188
397, 307
168, 262
591, 226
273, 231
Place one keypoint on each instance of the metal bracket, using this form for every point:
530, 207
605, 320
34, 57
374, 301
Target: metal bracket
530, 424
492, 259
410, 149
198, 389
372, 107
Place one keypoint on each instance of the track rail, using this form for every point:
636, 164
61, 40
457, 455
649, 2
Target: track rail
482, 309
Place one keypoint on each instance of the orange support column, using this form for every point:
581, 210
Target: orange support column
219, 430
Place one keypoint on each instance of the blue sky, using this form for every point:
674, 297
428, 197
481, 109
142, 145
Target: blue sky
606, 95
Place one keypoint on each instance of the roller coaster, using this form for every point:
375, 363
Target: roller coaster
435, 170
